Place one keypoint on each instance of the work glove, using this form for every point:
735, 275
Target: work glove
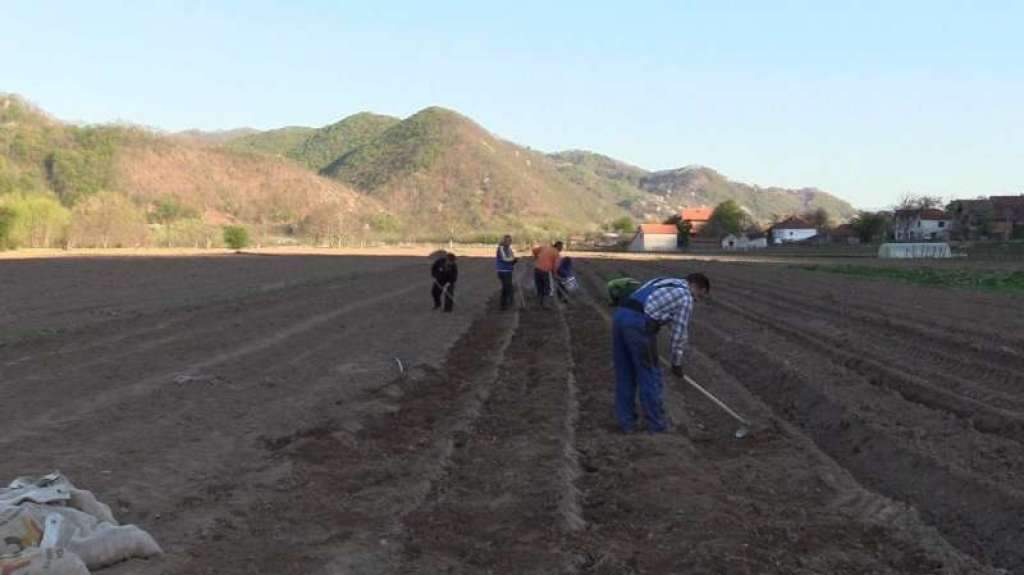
677, 370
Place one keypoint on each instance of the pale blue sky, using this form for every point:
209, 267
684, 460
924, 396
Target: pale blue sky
865, 99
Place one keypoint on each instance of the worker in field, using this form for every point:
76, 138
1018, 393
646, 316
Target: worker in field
637, 320
565, 279
506, 263
545, 263
620, 288
444, 272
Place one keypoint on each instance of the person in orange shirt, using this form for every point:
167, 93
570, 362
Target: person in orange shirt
545, 265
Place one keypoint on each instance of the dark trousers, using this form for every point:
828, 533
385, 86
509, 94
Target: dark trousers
449, 293
635, 351
542, 280
507, 291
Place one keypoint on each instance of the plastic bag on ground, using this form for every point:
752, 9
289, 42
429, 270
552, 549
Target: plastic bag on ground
48, 526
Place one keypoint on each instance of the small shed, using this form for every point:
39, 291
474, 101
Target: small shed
744, 242
915, 250
654, 238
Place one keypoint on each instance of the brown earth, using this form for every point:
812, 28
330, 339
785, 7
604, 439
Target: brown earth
250, 412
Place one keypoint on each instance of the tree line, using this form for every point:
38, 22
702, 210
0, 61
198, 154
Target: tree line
101, 220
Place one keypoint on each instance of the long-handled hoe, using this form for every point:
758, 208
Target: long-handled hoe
444, 292
744, 430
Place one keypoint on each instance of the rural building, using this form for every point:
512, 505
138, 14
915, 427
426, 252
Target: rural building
993, 218
698, 217
792, 230
844, 234
1008, 217
972, 219
654, 238
915, 250
744, 242
921, 225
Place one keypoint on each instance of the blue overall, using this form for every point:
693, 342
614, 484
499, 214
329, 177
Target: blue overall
635, 350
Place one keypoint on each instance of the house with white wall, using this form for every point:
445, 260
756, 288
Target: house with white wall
921, 225
654, 238
792, 230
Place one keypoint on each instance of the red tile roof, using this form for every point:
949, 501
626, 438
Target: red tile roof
696, 214
1008, 207
794, 223
925, 214
655, 228
1008, 200
934, 214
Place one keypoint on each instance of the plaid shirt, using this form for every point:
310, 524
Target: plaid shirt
671, 302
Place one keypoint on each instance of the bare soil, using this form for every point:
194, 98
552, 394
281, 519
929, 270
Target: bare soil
250, 411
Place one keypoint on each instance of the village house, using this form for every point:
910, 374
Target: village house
921, 225
844, 234
792, 229
1008, 217
993, 218
698, 217
972, 219
652, 237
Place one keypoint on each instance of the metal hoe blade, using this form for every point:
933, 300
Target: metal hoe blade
744, 430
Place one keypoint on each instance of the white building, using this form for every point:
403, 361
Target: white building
918, 225
654, 238
744, 242
792, 230
915, 250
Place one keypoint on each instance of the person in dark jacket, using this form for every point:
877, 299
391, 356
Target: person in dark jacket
506, 264
445, 272
565, 279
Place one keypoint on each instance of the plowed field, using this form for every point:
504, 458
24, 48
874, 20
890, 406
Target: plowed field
313, 414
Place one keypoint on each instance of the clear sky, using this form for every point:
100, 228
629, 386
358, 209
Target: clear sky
868, 100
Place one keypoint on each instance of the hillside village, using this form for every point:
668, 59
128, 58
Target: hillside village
434, 176
995, 218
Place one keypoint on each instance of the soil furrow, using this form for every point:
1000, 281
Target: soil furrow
773, 492
349, 478
111, 342
503, 505
976, 514
938, 353
990, 413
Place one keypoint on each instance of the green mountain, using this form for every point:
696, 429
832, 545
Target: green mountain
608, 179
702, 186
443, 174
315, 148
656, 195
325, 145
41, 154
63, 177
213, 138
433, 175
601, 165
279, 142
